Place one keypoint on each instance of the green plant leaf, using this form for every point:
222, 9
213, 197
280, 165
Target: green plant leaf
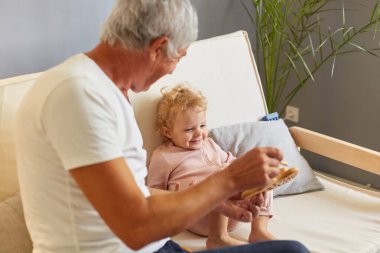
293, 39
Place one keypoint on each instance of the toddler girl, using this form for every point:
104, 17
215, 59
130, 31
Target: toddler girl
188, 156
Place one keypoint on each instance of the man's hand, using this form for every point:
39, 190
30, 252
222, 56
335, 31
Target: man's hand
254, 169
242, 210
254, 204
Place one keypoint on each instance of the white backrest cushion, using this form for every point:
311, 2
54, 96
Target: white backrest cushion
223, 68
12, 90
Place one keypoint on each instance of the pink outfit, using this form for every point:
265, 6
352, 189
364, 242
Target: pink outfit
174, 168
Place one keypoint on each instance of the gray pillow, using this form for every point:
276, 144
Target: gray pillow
240, 138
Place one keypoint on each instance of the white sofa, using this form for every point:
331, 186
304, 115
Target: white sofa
341, 218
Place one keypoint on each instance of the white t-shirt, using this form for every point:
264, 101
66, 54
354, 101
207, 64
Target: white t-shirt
73, 116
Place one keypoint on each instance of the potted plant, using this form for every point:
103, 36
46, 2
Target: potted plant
292, 40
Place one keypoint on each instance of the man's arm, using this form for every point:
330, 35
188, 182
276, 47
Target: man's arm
137, 220
234, 207
155, 191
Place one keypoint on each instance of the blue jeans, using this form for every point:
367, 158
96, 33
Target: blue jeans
275, 246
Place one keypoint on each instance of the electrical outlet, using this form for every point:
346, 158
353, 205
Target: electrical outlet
292, 113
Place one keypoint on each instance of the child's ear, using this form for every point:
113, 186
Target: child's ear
166, 132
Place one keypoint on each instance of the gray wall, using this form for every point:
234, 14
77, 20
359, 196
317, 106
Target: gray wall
37, 34
347, 105
217, 17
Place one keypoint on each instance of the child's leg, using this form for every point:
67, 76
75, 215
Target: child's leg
218, 234
259, 230
259, 225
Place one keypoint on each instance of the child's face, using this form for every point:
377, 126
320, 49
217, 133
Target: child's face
188, 129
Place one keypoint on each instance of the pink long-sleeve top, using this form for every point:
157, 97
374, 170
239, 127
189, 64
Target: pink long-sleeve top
175, 168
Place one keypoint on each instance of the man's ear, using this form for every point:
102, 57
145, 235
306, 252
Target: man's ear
157, 47
166, 132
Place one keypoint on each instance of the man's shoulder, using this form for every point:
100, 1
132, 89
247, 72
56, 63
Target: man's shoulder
77, 66
77, 75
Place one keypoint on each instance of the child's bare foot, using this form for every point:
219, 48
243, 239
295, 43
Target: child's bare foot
258, 236
223, 241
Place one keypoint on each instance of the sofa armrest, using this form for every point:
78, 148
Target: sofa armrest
342, 151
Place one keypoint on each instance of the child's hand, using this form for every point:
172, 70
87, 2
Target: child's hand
255, 169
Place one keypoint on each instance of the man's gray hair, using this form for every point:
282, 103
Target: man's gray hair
135, 23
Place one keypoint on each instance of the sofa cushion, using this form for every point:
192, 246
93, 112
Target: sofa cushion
12, 91
14, 236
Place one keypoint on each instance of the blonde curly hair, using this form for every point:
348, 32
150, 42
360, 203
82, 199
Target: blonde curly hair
179, 99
